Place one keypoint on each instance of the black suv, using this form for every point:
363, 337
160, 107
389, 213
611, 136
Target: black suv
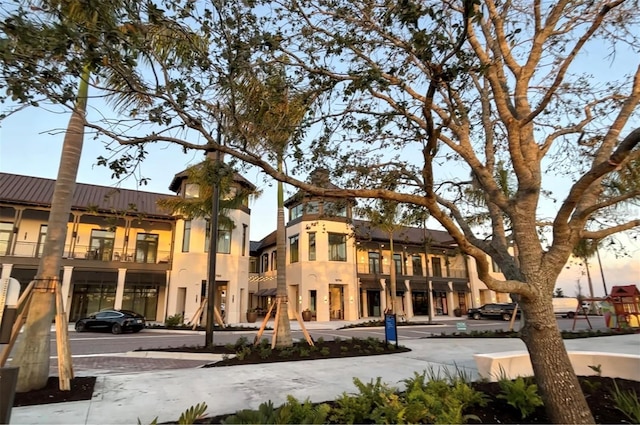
493, 310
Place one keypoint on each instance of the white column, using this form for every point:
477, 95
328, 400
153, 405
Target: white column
6, 271
408, 300
383, 298
122, 273
66, 287
365, 303
450, 298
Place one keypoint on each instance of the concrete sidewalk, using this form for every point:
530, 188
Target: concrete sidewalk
127, 398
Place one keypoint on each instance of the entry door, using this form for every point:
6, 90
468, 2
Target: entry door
336, 302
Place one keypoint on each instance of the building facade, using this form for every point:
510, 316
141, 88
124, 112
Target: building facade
123, 251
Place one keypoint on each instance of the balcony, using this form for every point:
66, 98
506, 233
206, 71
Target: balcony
84, 252
452, 273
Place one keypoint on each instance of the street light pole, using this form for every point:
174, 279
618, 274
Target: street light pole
213, 250
604, 283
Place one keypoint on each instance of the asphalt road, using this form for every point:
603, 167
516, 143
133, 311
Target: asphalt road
96, 343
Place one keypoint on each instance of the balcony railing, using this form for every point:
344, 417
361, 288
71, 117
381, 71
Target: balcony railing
460, 273
84, 252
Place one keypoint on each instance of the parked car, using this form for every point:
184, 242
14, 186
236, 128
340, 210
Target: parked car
493, 310
116, 321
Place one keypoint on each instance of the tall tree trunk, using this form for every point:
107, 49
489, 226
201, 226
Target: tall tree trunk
33, 348
556, 379
283, 338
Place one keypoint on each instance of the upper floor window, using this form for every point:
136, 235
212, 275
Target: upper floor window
416, 262
293, 249
42, 237
295, 212
274, 260
374, 262
312, 207
191, 190
224, 239
265, 263
312, 246
436, 266
334, 209
337, 247
397, 262
244, 240
101, 245
186, 236
146, 247
6, 230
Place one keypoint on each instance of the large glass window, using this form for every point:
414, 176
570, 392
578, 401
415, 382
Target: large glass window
337, 247
101, 246
244, 240
416, 262
186, 236
397, 261
265, 263
6, 230
146, 247
142, 299
274, 260
312, 246
436, 267
293, 249
374, 262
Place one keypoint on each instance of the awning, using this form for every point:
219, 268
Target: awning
370, 284
270, 292
461, 287
440, 286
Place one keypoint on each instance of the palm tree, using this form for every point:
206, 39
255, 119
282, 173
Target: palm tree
584, 250
266, 113
89, 31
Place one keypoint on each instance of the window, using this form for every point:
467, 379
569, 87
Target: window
397, 261
186, 236
146, 248
295, 212
293, 249
101, 245
41, 238
436, 267
374, 263
191, 190
6, 230
253, 265
265, 263
224, 239
416, 262
274, 260
337, 247
334, 209
312, 207
312, 246
244, 240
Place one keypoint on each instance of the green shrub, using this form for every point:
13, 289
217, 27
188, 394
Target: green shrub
173, 321
243, 352
241, 342
264, 352
291, 412
305, 352
359, 408
627, 402
325, 351
521, 395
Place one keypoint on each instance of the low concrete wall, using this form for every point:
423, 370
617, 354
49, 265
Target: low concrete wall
512, 364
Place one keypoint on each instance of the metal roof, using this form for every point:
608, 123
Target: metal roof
38, 192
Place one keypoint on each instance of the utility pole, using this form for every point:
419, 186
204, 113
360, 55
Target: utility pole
604, 283
213, 250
